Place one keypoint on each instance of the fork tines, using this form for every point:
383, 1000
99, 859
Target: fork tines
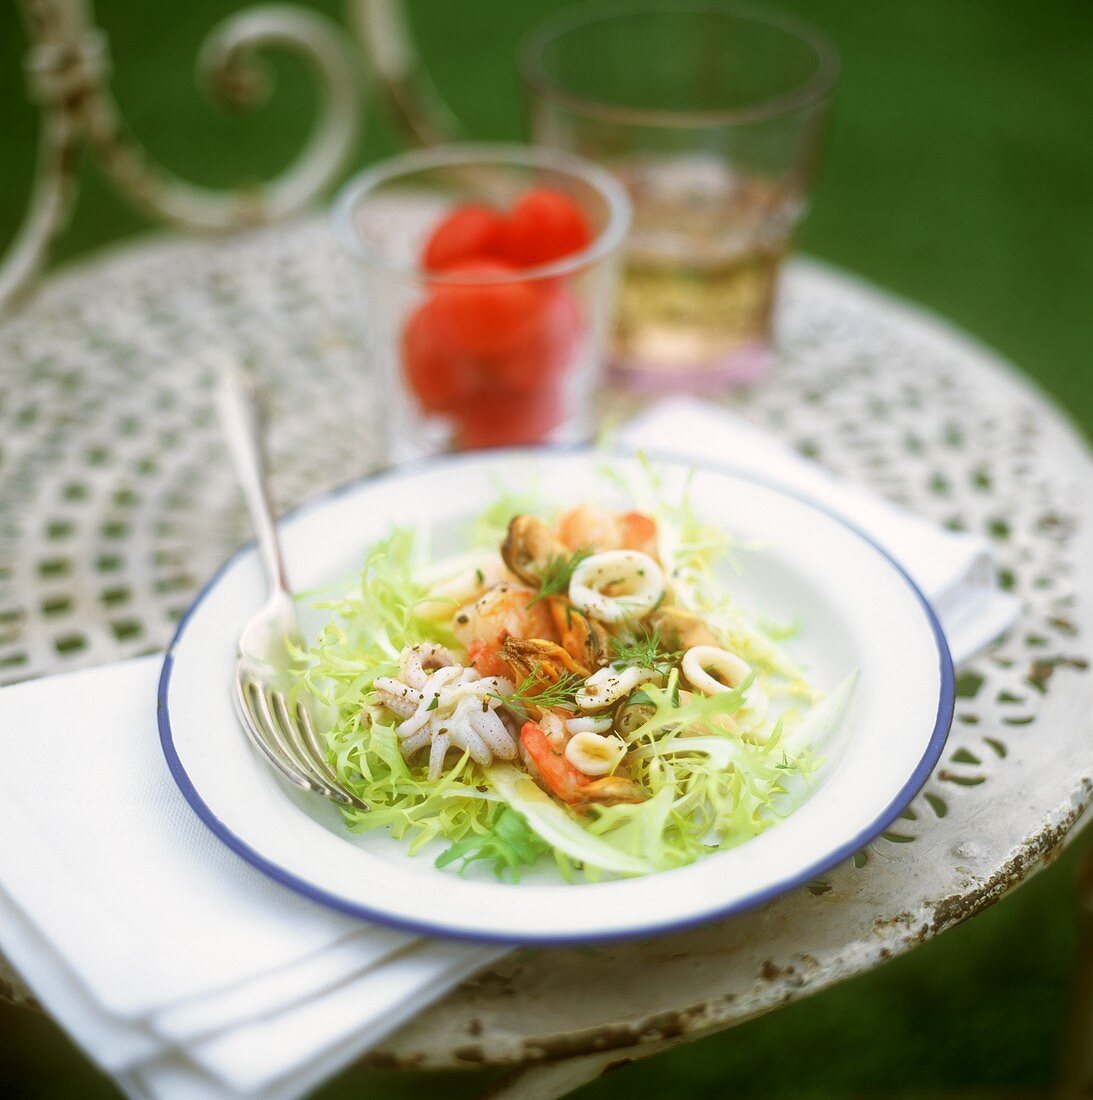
285, 737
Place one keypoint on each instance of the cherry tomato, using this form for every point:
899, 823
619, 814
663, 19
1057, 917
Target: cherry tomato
496, 419
487, 318
544, 225
469, 232
439, 379
547, 352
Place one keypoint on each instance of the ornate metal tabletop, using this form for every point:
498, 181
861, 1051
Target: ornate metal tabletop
116, 502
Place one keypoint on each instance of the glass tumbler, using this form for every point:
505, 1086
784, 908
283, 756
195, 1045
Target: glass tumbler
496, 346
712, 115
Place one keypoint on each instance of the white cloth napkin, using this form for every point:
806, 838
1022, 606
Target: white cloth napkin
954, 570
177, 967
190, 976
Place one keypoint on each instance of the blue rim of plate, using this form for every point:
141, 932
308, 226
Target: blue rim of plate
913, 784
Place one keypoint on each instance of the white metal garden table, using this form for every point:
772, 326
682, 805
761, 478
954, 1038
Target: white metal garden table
116, 503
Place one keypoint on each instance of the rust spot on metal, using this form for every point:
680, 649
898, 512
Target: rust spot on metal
654, 1029
771, 973
472, 1053
497, 983
1038, 852
791, 975
381, 1060
1063, 624
1052, 521
68, 160
914, 933
904, 918
1042, 671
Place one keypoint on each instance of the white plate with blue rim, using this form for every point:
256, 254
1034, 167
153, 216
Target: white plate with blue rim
857, 608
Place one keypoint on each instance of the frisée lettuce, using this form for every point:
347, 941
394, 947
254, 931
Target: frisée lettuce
579, 689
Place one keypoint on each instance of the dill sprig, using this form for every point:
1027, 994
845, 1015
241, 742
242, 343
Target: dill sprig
644, 650
557, 573
531, 691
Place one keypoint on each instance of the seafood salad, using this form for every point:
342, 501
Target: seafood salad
578, 688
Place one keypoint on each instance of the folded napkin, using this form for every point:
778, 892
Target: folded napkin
955, 571
188, 975
176, 966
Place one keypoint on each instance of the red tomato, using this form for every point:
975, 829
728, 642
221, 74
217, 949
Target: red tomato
544, 225
469, 232
547, 352
496, 419
439, 379
487, 319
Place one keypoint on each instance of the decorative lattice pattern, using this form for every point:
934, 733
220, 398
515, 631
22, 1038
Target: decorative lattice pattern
116, 503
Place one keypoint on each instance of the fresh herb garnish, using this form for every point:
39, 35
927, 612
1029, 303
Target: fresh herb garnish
531, 691
557, 573
433, 703
645, 650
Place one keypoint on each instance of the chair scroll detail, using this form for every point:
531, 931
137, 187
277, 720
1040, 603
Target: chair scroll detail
409, 95
68, 66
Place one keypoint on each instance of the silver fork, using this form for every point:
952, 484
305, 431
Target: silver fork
284, 733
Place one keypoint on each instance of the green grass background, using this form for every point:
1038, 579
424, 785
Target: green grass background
959, 174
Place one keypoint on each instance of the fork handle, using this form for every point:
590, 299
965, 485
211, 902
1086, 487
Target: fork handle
239, 409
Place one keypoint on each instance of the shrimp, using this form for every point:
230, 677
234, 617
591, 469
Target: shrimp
505, 611
457, 581
595, 529
566, 782
559, 776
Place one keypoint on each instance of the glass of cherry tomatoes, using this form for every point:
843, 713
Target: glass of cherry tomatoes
488, 277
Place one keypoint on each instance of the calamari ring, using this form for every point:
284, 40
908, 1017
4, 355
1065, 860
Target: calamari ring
701, 661
594, 755
636, 577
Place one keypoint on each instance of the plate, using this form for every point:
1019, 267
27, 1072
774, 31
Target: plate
857, 610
